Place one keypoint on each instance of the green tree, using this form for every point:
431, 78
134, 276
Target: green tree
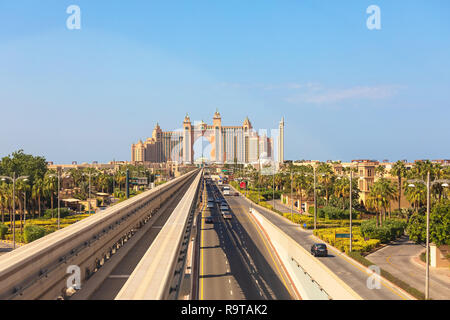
399, 170
326, 180
439, 225
38, 192
4, 199
380, 195
416, 194
50, 186
380, 171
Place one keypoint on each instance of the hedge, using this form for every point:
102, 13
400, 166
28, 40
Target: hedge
3, 231
320, 222
329, 212
32, 232
390, 230
53, 213
359, 243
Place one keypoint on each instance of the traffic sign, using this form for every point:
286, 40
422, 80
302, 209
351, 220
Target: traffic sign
342, 235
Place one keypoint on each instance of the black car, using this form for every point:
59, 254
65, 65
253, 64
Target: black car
209, 220
319, 249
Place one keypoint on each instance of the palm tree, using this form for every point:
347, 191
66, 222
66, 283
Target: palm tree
22, 188
50, 186
37, 193
4, 198
380, 196
326, 179
380, 171
399, 170
342, 189
389, 194
278, 181
103, 181
121, 178
416, 195
77, 176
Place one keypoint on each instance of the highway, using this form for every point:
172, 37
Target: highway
352, 273
236, 260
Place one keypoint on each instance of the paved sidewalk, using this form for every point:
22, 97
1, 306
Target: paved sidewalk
281, 206
401, 260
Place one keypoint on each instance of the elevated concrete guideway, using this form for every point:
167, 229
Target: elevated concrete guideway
152, 279
39, 270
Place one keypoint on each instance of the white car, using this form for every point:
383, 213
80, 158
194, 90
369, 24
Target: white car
210, 204
226, 214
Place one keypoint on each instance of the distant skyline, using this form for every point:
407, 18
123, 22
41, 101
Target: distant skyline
345, 92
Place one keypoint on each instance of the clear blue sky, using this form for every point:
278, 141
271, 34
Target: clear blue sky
345, 91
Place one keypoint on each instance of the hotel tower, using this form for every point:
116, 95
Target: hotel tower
213, 143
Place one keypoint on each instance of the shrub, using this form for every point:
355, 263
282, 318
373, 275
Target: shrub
33, 232
53, 213
3, 231
390, 230
359, 243
330, 212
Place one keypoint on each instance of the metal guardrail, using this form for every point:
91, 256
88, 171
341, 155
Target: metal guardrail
159, 273
39, 270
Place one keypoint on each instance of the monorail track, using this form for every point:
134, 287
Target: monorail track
115, 278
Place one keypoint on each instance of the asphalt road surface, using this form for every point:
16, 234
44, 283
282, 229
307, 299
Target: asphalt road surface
397, 259
350, 272
236, 261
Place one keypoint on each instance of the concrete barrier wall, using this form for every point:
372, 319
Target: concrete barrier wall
313, 280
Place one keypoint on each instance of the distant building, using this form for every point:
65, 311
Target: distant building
226, 144
365, 175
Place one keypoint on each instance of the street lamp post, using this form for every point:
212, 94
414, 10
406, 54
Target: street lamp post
292, 199
14, 179
59, 198
273, 186
350, 211
350, 208
429, 184
315, 198
89, 198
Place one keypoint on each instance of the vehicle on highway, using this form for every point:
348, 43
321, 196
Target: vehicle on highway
226, 215
226, 192
319, 249
210, 204
209, 219
223, 207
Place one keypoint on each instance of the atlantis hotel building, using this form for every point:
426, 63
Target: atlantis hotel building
221, 144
